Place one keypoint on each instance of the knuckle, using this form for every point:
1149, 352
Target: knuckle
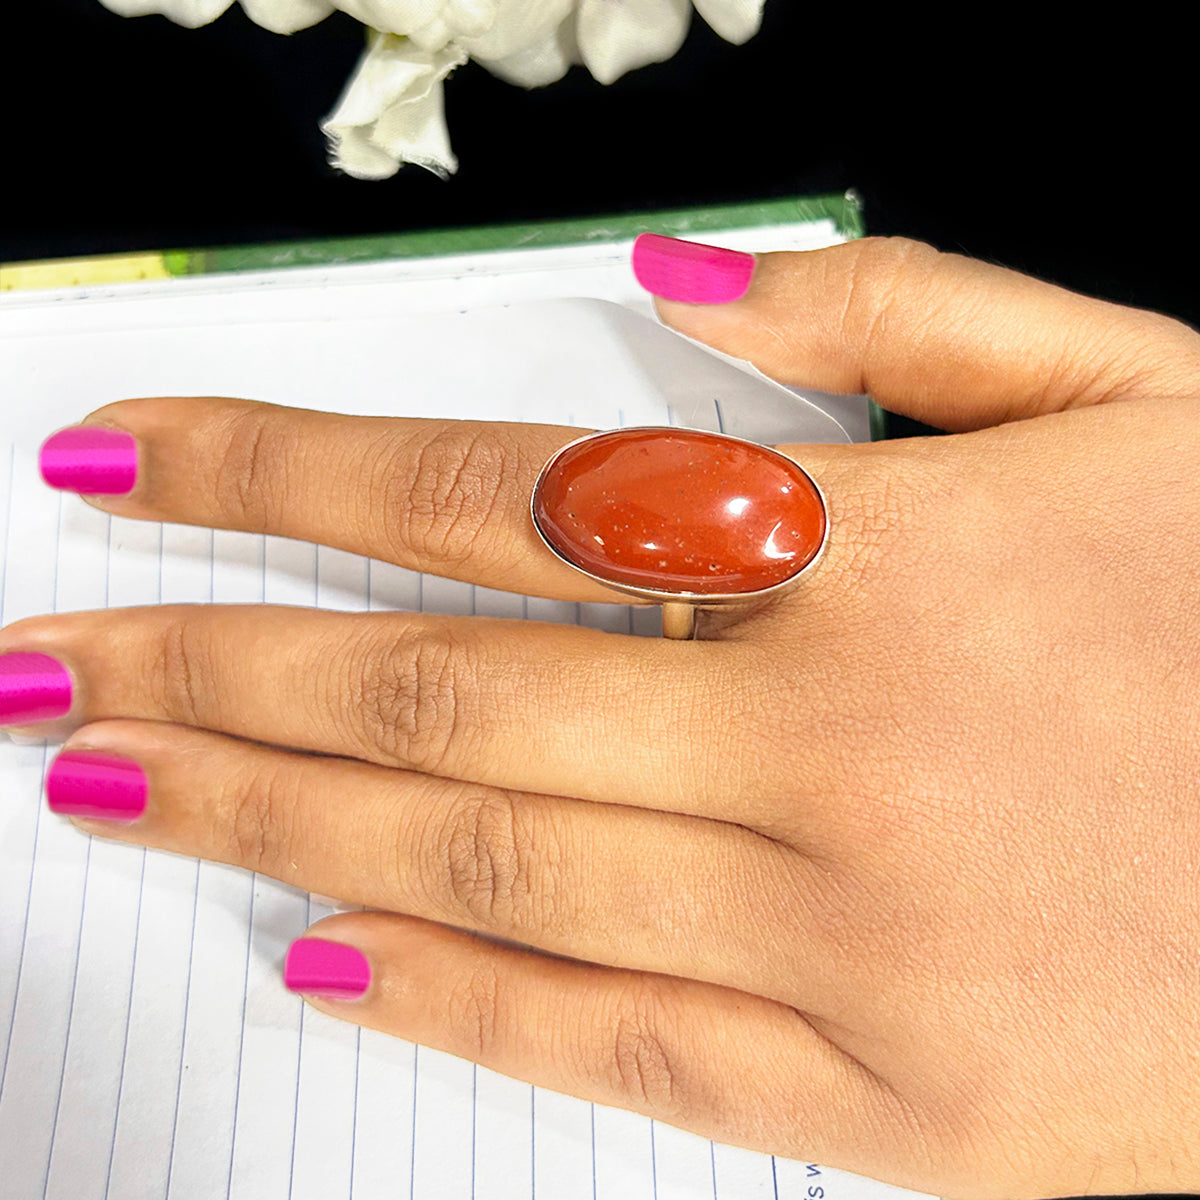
452, 496
643, 1067
261, 831
484, 856
411, 710
183, 676
244, 485
473, 1011
899, 298
1153, 357
881, 271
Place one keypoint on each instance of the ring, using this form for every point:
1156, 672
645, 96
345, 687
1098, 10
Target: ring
681, 517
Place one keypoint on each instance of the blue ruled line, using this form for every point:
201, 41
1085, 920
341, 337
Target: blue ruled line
237, 1093
137, 933
187, 1000
412, 1160
354, 1118
653, 1161
474, 1120
62, 1073
299, 1049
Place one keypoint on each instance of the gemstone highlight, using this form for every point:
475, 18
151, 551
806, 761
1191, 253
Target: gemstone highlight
679, 511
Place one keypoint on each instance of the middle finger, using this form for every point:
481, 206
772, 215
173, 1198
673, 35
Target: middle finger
446, 497
534, 707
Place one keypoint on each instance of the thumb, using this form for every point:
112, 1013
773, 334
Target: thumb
947, 340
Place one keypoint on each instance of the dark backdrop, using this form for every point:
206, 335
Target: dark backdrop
1066, 154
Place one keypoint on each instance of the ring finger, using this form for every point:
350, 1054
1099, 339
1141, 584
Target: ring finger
542, 708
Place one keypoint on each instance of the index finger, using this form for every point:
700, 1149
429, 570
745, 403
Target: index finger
449, 498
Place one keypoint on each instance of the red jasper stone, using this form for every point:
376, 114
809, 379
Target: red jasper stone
681, 511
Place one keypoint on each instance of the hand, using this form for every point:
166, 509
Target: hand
897, 873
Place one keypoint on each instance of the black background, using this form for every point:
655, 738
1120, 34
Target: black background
1065, 151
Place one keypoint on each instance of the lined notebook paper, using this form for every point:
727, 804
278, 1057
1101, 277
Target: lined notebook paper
147, 1046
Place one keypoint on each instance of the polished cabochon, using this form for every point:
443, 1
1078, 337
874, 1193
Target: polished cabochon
680, 513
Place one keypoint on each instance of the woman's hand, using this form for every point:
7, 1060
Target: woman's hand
897, 873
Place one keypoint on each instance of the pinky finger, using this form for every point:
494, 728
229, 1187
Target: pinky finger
721, 1063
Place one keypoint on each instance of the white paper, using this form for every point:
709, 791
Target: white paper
147, 1045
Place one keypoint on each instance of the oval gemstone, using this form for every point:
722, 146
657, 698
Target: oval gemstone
680, 510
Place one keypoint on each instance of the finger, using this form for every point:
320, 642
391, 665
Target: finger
514, 704
948, 340
604, 883
722, 1063
447, 497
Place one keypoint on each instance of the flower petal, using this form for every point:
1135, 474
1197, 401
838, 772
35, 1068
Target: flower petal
391, 111
192, 13
542, 63
736, 21
430, 23
616, 36
519, 26
286, 16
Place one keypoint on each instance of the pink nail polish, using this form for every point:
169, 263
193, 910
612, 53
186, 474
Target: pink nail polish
89, 783
33, 687
690, 271
332, 970
90, 460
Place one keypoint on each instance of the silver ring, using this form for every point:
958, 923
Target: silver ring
683, 518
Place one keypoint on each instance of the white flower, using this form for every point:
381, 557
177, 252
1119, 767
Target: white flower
391, 111
616, 36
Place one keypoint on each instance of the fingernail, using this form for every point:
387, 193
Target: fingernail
90, 460
103, 787
690, 271
332, 970
33, 687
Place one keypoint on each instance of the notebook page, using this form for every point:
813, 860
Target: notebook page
147, 1047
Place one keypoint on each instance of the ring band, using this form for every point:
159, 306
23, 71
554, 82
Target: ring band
681, 517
